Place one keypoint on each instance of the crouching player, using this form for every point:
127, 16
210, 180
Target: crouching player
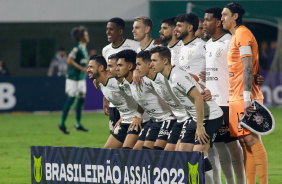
199, 132
126, 105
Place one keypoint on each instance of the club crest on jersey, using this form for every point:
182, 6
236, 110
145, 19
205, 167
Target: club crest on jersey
258, 119
218, 52
114, 95
190, 54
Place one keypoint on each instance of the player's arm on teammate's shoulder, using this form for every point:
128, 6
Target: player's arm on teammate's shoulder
248, 82
201, 134
106, 106
137, 79
258, 79
71, 62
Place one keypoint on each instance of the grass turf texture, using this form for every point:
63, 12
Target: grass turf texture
19, 132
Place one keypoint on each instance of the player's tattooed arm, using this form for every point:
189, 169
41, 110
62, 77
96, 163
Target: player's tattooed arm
247, 72
140, 109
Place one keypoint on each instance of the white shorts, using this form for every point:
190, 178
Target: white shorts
75, 88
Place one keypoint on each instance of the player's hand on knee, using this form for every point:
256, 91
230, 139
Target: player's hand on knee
248, 108
137, 79
202, 76
201, 135
135, 123
258, 79
117, 124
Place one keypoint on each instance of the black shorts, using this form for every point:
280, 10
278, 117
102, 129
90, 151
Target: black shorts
139, 130
174, 134
211, 127
144, 130
114, 115
121, 132
223, 134
159, 130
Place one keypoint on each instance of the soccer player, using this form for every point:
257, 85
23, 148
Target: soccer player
154, 135
76, 78
168, 34
142, 28
114, 30
192, 56
217, 81
200, 131
109, 84
242, 65
200, 33
161, 86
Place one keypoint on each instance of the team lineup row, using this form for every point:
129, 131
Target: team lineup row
187, 96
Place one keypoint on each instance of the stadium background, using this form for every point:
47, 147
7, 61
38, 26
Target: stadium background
31, 31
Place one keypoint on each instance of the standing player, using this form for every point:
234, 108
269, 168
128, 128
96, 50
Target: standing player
115, 29
154, 135
242, 65
199, 132
109, 84
192, 56
142, 28
200, 33
161, 86
217, 81
76, 78
168, 34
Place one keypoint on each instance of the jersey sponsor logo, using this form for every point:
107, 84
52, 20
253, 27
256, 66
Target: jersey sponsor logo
223, 130
126, 46
188, 107
181, 86
212, 69
150, 111
218, 52
211, 79
145, 104
124, 110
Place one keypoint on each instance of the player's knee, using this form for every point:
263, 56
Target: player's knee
158, 148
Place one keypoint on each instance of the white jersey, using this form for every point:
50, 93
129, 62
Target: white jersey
182, 83
126, 105
126, 44
192, 57
175, 52
162, 87
217, 75
151, 45
149, 100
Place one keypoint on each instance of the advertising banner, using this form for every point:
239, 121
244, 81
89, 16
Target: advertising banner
99, 165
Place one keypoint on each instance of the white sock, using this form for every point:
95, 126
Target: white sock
216, 169
225, 162
209, 177
238, 161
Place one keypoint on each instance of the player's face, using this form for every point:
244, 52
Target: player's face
122, 68
111, 68
157, 64
181, 30
92, 70
209, 25
200, 32
113, 32
165, 32
142, 67
227, 19
139, 30
86, 37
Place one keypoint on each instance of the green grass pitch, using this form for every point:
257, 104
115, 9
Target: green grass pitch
19, 132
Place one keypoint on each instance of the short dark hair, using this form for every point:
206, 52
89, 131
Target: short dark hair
201, 20
164, 52
190, 18
169, 21
145, 56
78, 33
236, 8
113, 56
216, 11
119, 22
146, 21
99, 60
128, 55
